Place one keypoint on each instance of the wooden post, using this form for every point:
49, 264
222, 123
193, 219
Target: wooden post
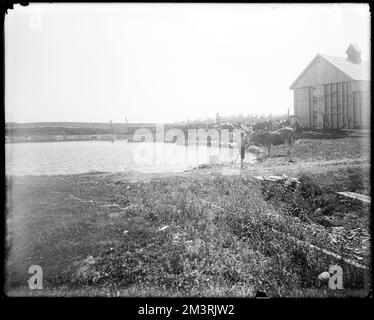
111, 126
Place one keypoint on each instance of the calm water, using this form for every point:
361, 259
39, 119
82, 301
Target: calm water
69, 157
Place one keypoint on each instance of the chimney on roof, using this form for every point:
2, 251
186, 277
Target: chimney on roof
354, 53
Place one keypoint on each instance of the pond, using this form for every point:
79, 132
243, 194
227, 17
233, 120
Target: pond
72, 157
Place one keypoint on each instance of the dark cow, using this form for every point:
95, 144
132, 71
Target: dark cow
266, 125
277, 137
281, 124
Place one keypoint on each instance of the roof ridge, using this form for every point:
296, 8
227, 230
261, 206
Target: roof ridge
359, 71
330, 55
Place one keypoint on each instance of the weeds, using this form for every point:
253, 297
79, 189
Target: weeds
248, 245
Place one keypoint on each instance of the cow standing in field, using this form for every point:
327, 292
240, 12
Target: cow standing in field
277, 137
266, 125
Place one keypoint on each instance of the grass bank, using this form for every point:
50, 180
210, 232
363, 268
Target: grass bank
196, 235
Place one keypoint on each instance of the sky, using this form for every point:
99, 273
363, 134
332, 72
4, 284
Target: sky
167, 62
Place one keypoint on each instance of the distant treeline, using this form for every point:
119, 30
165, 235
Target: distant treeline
71, 129
77, 128
42, 131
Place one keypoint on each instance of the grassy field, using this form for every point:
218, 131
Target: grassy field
198, 233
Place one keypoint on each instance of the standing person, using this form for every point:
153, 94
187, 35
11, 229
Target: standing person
209, 141
243, 146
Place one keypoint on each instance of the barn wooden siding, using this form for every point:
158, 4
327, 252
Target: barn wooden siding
333, 105
325, 97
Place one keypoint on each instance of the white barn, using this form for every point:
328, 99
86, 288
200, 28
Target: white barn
334, 92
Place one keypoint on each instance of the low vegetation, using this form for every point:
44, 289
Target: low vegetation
196, 235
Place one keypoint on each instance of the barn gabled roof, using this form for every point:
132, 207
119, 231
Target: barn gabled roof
355, 71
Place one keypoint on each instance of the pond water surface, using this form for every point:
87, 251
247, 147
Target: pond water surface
71, 157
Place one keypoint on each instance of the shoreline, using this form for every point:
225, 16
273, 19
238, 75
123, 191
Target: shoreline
257, 167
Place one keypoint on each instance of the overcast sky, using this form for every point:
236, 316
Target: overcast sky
166, 62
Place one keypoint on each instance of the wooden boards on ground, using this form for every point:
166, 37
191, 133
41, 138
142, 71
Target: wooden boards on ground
358, 196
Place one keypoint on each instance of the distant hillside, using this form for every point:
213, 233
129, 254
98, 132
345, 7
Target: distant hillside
37, 129
100, 125
71, 128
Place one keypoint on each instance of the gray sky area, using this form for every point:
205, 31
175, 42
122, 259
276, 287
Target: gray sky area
167, 62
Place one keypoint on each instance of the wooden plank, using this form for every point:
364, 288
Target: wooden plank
357, 196
331, 95
350, 105
326, 123
327, 252
345, 125
346, 103
300, 124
